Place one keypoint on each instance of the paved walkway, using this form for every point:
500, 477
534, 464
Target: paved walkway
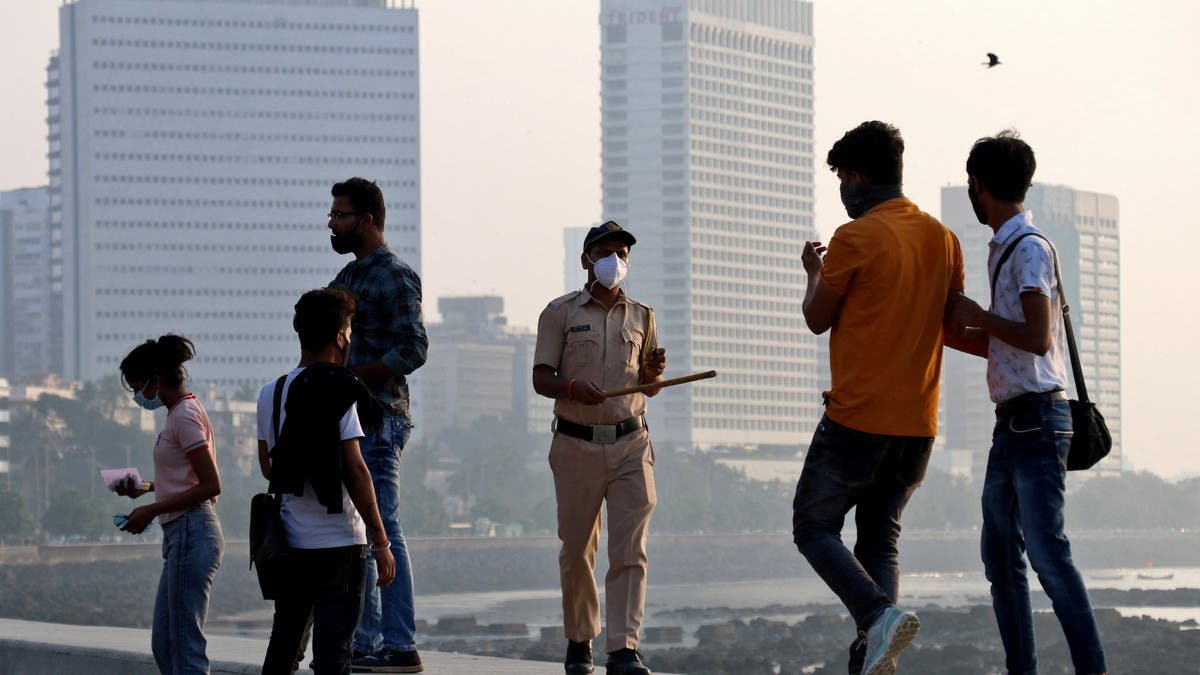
30, 648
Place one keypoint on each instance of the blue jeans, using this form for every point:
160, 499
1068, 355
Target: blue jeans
388, 621
325, 591
192, 548
875, 475
1023, 514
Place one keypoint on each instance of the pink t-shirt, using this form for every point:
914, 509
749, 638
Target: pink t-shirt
187, 430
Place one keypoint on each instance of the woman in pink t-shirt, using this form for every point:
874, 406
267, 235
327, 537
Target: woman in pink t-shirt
185, 487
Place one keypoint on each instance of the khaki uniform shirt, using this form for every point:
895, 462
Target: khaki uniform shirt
582, 340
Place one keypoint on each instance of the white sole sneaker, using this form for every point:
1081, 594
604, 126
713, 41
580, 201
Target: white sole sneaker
900, 634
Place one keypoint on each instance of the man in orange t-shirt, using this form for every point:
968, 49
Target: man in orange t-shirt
882, 288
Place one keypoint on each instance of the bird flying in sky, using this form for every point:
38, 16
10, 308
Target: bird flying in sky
992, 61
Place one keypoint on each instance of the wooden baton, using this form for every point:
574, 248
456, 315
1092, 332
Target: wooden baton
658, 385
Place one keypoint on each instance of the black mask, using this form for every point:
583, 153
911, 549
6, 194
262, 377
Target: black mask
349, 242
858, 198
973, 195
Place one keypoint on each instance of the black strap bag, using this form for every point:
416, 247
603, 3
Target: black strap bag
269, 550
1091, 441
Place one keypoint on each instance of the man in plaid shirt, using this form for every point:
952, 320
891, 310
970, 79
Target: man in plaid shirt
387, 343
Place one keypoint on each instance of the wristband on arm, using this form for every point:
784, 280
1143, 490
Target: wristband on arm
570, 385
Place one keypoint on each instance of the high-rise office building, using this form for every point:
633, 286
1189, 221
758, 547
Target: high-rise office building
192, 147
1085, 229
707, 116
26, 333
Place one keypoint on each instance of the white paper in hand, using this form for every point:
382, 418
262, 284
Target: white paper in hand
113, 476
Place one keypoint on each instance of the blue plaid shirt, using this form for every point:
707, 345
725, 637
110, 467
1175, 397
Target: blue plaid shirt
387, 324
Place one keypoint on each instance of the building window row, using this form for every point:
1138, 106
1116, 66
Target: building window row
199, 315
755, 77
239, 225
751, 198
240, 181
741, 182
342, 94
211, 248
739, 167
744, 213
222, 270
304, 115
203, 359
274, 24
217, 203
199, 292
748, 43
741, 227
205, 337
748, 138
799, 336
737, 105
736, 319
744, 93
245, 69
743, 61
244, 136
780, 357
313, 48
700, 115
784, 287
742, 303
240, 160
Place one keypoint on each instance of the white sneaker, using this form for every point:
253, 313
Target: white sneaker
886, 638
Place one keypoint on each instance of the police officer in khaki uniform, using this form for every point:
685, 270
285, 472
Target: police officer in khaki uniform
590, 341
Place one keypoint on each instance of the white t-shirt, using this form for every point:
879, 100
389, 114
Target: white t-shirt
1030, 269
308, 523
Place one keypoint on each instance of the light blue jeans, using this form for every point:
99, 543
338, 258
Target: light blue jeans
192, 549
388, 619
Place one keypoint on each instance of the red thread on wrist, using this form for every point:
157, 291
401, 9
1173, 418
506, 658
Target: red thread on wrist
570, 384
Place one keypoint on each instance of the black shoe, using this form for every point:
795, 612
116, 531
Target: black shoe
388, 662
626, 662
579, 657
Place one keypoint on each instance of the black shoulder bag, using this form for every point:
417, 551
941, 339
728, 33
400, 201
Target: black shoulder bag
1091, 441
268, 540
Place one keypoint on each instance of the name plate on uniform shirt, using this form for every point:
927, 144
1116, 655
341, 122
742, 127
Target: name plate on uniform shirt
580, 329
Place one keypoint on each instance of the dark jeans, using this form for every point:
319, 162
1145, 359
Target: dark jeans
1023, 513
325, 591
875, 475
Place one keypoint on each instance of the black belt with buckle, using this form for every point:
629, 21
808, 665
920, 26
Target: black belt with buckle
1016, 404
599, 433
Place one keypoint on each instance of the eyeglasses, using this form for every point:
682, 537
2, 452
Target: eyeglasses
338, 215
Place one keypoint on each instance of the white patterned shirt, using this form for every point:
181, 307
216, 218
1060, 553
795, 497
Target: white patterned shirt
1011, 371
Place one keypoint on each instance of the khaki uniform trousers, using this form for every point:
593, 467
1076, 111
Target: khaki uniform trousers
586, 475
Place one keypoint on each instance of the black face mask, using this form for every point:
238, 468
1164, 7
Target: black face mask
858, 198
349, 242
976, 206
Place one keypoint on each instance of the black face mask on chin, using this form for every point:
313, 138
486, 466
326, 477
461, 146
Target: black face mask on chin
349, 242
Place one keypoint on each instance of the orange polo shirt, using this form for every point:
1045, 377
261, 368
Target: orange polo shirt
894, 268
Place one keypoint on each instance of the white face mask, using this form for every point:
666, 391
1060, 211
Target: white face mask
610, 270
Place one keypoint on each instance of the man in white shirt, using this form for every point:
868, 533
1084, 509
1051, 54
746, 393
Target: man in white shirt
1022, 338
312, 459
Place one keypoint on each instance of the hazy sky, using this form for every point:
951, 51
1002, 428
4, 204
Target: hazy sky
1104, 90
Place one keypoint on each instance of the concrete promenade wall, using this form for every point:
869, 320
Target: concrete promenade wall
31, 648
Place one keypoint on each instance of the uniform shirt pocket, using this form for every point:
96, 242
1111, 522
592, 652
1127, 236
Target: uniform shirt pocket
633, 338
582, 350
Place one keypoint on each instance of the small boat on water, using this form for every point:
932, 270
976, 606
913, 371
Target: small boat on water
1155, 577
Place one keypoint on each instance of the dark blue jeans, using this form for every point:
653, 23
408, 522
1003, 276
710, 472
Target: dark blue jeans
389, 620
875, 475
1023, 514
325, 591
